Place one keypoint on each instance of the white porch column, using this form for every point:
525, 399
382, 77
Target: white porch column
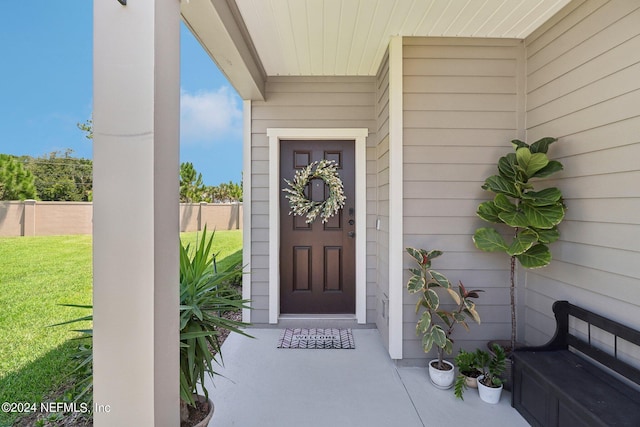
136, 217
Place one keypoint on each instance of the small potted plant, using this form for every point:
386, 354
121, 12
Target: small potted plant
493, 365
426, 281
469, 369
204, 295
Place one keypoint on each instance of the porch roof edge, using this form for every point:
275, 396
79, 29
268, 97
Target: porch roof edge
220, 30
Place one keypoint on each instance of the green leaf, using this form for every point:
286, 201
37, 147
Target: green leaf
548, 236
427, 342
523, 241
441, 279
503, 203
507, 166
415, 284
416, 254
543, 216
535, 257
542, 145
432, 299
531, 163
514, 219
448, 346
552, 167
423, 323
489, 240
474, 314
434, 254
415, 271
545, 197
518, 144
499, 184
446, 317
190, 335
439, 336
489, 212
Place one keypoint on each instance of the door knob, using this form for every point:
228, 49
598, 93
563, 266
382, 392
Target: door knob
351, 234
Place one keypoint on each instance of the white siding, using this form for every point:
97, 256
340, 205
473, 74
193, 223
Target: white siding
463, 103
583, 79
306, 102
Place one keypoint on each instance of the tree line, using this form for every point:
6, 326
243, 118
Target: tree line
59, 176
193, 190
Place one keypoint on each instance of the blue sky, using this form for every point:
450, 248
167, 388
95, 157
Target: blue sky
46, 88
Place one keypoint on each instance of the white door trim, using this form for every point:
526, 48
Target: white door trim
359, 135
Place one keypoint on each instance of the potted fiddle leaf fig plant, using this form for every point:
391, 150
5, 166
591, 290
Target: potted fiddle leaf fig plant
204, 295
436, 324
531, 215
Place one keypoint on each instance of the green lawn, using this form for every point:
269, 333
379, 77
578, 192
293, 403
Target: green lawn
227, 246
36, 275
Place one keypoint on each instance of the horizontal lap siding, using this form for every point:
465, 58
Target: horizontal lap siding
463, 103
584, 88
306, 102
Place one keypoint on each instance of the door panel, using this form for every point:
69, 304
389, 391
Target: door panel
317, 261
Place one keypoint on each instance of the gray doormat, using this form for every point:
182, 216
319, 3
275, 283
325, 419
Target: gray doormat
316, 338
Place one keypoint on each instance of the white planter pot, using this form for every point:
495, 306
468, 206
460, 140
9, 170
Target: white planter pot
442, 379
489, 394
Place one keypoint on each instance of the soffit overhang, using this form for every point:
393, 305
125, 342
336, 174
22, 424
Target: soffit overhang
253, 39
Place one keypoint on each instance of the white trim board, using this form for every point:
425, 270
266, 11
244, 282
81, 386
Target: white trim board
359, 135
246, 208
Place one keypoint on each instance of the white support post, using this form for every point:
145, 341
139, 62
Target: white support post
136, 216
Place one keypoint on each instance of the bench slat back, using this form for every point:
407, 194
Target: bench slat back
563, 338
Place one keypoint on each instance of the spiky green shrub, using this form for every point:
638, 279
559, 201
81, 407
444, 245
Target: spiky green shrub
204, 294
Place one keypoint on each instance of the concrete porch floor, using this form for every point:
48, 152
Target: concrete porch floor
267, 386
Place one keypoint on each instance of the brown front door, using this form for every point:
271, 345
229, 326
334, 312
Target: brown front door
317, 261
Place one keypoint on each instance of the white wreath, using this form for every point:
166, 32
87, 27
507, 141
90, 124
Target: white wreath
326, 170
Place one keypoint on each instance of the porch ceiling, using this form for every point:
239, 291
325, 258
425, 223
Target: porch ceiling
253, 39
349, 37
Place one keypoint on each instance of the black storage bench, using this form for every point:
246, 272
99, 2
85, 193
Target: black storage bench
563, 383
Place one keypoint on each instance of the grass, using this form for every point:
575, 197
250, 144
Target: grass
227, 246
36, 275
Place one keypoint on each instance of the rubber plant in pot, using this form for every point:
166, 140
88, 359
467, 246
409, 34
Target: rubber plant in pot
436, 324
530, 217
204, 295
